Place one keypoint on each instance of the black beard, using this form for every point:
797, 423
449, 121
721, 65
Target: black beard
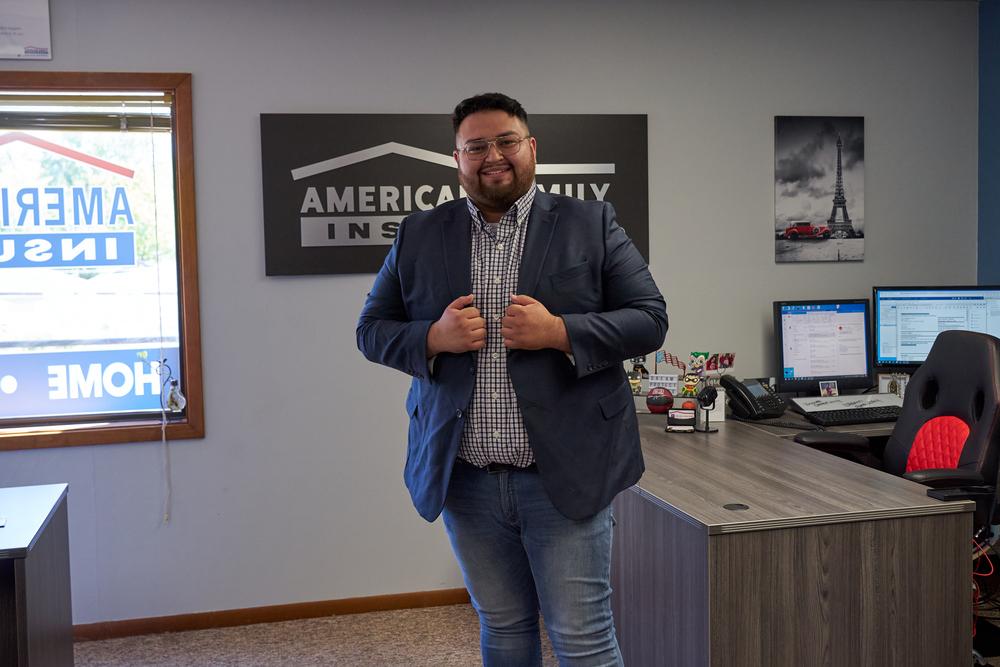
498, 198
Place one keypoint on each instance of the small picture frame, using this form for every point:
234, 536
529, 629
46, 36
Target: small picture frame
892, 383
828, 388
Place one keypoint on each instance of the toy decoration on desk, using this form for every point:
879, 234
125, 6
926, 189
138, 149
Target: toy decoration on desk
668, 358
659, 400
689, 385
638, 377
697, 363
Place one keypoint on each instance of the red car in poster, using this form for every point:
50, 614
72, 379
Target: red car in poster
806, 230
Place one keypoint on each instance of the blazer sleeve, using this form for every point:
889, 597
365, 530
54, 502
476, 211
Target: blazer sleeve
634, 319
385, 333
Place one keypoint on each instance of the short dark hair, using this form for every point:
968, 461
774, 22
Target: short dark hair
488, 102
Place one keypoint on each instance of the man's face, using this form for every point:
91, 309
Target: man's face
495, 182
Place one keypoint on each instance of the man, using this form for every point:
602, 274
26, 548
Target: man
513, 310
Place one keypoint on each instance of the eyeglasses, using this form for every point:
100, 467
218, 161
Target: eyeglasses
479, 148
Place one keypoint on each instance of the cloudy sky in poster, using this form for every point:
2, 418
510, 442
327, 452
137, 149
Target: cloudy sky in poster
805, 168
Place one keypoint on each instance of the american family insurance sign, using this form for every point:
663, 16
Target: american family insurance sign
337, 186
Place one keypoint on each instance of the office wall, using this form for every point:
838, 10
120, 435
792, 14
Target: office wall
989, 142
295, 493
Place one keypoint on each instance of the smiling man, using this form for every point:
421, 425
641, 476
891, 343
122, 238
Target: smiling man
513, 310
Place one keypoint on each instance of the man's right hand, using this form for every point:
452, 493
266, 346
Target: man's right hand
460, 329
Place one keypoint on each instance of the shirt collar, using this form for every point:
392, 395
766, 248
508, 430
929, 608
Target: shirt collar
520, 208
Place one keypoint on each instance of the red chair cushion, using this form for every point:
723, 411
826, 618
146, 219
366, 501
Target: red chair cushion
938, 444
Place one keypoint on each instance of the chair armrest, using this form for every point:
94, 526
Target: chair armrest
944, 478
832, 441
980, 494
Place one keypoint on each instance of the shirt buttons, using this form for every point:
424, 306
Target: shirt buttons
495, 355
499, 246
496, 318
496, 435
496, 394
496, 281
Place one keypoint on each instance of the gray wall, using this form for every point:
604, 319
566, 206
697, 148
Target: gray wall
295, 494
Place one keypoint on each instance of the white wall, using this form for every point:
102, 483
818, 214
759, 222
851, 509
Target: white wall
295, 494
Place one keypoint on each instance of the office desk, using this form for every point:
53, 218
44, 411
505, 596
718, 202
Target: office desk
36, 618
831, 563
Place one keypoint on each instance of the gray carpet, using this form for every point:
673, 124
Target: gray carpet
430, 637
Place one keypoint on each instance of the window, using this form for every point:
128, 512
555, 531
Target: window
98, 263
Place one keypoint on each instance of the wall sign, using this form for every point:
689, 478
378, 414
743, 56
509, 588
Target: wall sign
24, 30
336, 186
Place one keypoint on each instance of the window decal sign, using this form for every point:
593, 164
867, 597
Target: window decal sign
88, 272
336, 186
93, 382
34, 215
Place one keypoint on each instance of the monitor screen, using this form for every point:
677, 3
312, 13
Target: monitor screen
908, 319
819, 341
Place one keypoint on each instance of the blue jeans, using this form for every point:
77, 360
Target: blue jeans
518, 553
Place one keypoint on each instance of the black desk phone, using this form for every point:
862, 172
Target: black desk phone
749, 399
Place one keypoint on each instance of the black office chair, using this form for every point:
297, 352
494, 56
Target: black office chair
948, 433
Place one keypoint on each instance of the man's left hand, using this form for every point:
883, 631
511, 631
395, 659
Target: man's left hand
528, 325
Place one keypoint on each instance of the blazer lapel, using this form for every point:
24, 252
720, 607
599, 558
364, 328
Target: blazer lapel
541, 226
456, 234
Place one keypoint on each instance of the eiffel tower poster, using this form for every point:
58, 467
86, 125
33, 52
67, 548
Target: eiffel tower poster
819, 188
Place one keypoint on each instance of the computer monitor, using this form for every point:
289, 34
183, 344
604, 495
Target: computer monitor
820, 341
908, 319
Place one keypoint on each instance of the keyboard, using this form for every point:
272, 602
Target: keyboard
850, 416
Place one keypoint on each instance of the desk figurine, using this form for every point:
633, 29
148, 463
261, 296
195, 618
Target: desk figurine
697, 363
689, 385
639, 371
635, 381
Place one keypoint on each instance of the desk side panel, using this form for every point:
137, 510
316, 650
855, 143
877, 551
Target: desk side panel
48, 605
888, 592
8, 614
660, 587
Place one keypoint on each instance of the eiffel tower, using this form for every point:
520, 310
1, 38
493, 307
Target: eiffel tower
842, 228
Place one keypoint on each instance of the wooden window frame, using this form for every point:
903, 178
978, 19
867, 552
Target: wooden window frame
192, 424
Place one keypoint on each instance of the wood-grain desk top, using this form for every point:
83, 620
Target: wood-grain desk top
27, 510
783, 483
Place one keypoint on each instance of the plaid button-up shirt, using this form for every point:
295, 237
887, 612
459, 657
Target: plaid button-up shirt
494, 431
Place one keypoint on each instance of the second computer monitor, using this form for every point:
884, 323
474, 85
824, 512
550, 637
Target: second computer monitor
908, 319
820, 341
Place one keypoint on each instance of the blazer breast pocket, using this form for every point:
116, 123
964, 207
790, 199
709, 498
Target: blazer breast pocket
570, 279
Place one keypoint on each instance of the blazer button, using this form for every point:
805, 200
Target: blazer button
458, 413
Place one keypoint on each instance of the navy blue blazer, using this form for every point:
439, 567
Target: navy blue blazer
580, 416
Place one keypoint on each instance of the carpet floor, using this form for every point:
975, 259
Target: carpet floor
429, 637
